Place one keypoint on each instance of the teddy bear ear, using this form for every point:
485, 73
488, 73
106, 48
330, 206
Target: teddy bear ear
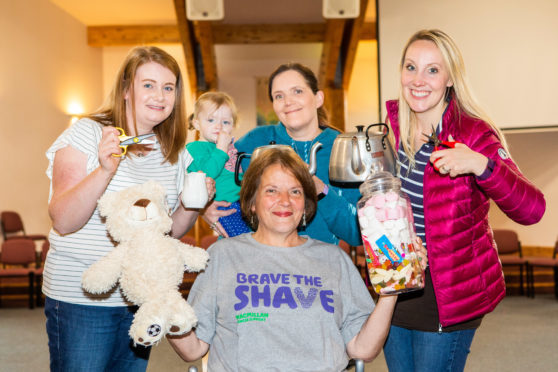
106, 203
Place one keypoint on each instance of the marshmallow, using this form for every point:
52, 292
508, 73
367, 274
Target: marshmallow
381, 215
378, 200
392, 214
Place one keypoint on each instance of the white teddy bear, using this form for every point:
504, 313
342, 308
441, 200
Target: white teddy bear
148, 263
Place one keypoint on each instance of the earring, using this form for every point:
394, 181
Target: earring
252, 220
304, 219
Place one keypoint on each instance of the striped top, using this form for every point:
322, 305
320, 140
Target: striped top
412, 183
70, 255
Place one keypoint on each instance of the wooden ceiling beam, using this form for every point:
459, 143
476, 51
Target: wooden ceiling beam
351, 44
101, 36
341, 38
208, 66
269, 33
330, 51
186, 39
329, 63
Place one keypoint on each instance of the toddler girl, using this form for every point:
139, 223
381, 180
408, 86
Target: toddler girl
214, 154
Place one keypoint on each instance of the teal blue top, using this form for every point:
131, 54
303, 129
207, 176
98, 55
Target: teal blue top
213, 162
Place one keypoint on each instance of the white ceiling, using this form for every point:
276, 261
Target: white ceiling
146, 12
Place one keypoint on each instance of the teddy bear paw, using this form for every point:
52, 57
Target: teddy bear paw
183, 320
197, 260
147, 334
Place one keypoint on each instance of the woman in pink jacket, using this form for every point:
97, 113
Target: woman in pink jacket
450, 186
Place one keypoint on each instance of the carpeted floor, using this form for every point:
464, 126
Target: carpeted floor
521, 335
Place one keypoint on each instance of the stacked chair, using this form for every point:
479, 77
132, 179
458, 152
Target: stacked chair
18, 258
509, 251
12, 227
546, 262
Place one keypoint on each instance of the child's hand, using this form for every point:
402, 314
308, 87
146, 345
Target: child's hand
223, 140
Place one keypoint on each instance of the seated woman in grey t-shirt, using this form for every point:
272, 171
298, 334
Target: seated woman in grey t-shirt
274, 299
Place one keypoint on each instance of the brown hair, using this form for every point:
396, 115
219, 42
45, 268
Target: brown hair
290, 162
212, 101
311, 81
171, 133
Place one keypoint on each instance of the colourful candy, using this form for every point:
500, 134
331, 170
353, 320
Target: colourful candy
386, 218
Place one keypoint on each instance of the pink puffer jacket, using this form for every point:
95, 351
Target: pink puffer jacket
466, 272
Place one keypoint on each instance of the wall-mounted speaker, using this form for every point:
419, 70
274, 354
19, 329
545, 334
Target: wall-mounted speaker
204, 10
340, 8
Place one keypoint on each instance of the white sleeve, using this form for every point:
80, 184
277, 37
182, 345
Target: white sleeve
84, 135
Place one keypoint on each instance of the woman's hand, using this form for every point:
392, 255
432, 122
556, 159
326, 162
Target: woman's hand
459, 160
319, 185
211, 215
421, 253
108, 146
210, 185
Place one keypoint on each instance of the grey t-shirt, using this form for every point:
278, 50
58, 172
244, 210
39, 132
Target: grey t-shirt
264, 308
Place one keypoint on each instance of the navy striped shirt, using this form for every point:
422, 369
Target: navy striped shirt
412, 183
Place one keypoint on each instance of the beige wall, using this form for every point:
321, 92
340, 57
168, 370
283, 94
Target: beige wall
536, 154
509, 48
45, 64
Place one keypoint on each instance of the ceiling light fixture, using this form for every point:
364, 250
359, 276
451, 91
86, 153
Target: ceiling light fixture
205, 10
340, 8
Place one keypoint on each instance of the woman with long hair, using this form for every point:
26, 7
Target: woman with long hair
90, 332
450, 185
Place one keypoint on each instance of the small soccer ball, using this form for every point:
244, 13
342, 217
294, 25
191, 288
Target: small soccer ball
154, 330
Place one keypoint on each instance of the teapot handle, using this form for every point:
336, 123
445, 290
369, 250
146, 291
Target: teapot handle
368, 148
240, 155
356, 161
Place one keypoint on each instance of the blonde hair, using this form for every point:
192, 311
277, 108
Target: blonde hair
212, 101
171, 133
460, 91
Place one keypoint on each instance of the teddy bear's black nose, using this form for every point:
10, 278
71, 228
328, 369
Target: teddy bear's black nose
142, 203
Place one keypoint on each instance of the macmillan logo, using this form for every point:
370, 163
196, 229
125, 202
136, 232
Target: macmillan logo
251, 317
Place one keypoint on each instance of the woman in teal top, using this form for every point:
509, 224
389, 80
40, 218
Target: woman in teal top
293, 90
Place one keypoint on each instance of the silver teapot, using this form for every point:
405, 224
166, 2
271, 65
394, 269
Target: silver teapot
354, 154
272, 145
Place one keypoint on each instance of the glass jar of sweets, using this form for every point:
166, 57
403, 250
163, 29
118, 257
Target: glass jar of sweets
386, 223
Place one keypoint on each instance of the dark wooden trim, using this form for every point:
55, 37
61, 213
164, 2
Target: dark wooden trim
187, 44
101, 36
